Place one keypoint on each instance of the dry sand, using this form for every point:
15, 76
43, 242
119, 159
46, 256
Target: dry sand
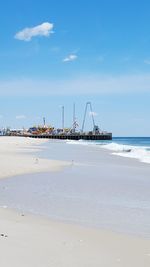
31, 241
18, 156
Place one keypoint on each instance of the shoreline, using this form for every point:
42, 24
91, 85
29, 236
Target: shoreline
18, 156
94, 189
34, 240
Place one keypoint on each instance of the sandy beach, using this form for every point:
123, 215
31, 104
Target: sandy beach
74, 133
33, 240
27, 240
18, 156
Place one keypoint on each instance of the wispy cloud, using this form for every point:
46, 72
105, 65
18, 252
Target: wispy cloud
71, 57
20, 117
44, 29
81, 85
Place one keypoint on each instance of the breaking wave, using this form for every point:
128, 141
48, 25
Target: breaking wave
141, 153
129, 151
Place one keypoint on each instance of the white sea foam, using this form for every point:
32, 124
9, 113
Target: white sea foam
116, 147
72, 142
129, 151
80, 142
137, 152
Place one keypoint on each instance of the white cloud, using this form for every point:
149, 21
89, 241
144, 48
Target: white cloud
71, 57
44, 29
20, 117
81, 85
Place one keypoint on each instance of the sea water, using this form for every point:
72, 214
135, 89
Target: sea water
98, 189
131, 147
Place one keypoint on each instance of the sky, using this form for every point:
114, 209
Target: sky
60, 52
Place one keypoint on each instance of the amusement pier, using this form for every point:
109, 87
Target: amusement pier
65, 133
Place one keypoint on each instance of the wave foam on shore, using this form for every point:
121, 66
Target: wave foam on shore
141, 153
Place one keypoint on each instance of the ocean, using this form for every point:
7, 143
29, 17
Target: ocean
131, 147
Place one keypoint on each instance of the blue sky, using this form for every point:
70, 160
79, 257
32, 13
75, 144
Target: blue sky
55, 53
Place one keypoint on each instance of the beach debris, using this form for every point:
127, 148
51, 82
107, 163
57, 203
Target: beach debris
3, 235
127, 150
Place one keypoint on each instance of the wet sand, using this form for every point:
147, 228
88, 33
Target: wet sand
30, 240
